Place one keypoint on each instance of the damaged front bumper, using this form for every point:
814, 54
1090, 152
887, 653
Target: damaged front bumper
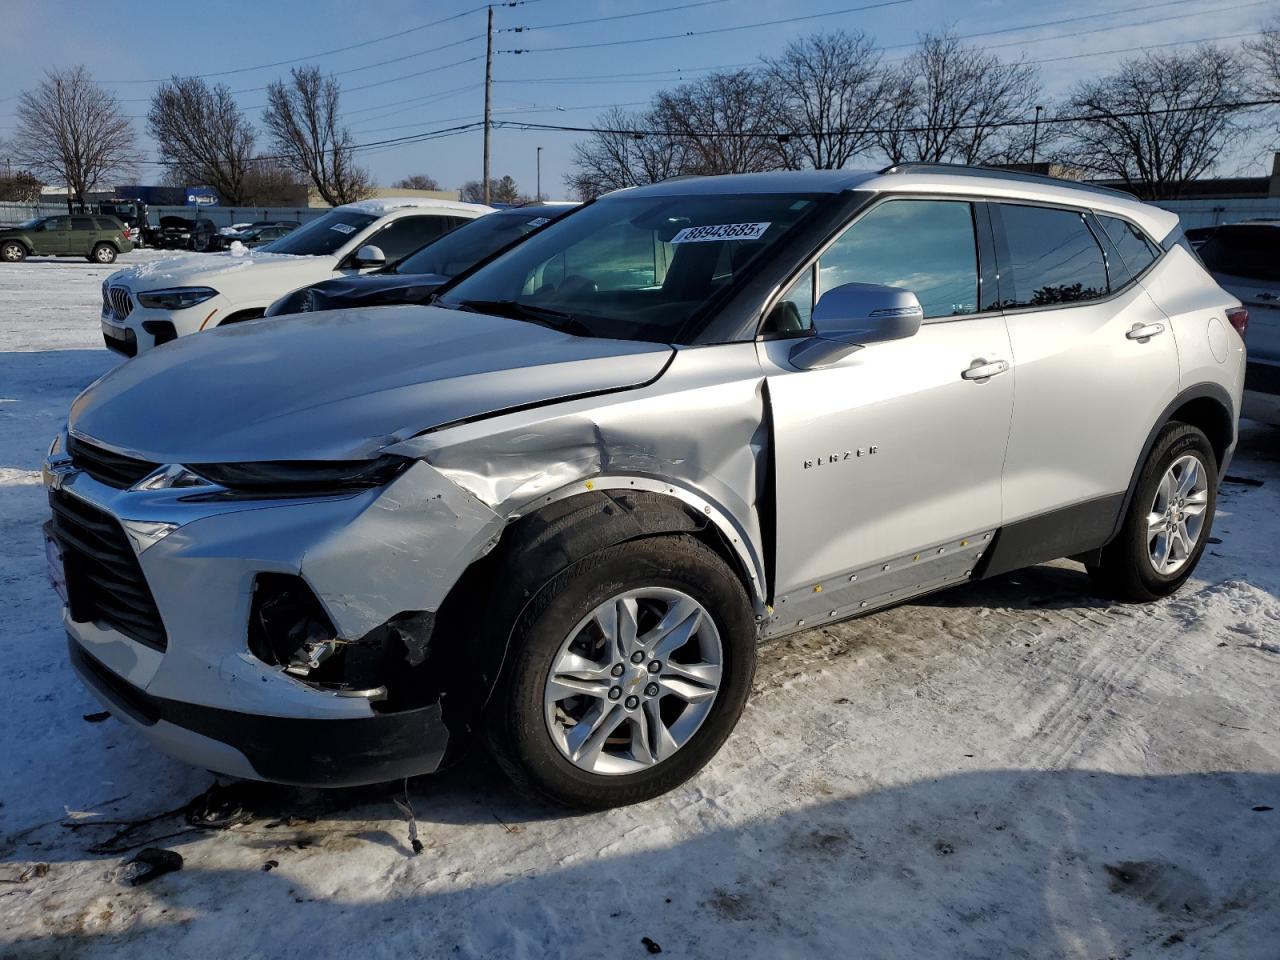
378, 563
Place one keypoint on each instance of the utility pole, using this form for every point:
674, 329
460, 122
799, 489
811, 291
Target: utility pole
538, 195
488, 89
1035, 134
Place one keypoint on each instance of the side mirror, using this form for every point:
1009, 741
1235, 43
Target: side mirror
370, 256
848, 317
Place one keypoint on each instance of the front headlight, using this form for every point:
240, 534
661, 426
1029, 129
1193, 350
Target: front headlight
297, 302
303, 477
175, 298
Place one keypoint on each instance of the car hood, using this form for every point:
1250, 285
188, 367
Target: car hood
374, 290
342, 384
247, 270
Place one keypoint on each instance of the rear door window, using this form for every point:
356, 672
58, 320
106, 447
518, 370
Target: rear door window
1052, 255
82, 223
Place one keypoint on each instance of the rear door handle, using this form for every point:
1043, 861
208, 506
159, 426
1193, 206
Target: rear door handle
1142, 332
983, 369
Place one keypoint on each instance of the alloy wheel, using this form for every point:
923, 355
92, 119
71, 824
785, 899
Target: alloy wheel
1177, 516
633, 681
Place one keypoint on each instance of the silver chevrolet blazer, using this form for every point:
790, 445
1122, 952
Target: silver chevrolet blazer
557, 510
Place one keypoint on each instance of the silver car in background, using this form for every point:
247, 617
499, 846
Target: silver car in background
560, 507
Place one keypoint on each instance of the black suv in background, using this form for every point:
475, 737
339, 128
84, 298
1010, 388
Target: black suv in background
181, 233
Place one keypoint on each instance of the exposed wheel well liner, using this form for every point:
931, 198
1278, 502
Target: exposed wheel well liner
532, 550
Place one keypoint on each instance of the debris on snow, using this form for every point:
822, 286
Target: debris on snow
149, 863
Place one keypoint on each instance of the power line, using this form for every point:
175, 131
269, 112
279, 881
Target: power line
788, 134
616, 16
351, 46
702, 33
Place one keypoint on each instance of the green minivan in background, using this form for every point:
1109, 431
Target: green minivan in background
97, 238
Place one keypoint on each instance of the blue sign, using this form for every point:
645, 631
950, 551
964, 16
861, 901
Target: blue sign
202, 197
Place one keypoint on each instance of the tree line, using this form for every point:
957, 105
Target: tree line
827, 101
830, 99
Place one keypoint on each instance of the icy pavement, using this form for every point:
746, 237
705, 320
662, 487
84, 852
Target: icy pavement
1009, 769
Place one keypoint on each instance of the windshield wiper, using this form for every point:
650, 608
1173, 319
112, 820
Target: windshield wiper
515, 310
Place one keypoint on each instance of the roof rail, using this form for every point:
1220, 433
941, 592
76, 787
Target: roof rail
1000, 173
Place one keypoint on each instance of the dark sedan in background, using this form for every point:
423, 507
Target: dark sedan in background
416, 277
1245, 260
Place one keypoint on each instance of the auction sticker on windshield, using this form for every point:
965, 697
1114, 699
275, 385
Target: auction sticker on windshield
343, 228
721, 231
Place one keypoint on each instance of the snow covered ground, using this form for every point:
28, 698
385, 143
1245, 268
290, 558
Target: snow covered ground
1010, 769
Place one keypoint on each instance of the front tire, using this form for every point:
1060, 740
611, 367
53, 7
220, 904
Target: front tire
13, 252
103, 253
627, 672
1169, 520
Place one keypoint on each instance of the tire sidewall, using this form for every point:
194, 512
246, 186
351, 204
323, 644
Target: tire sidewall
675, 562
1177, 442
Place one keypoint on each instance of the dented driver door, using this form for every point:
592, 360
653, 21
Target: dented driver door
887, 463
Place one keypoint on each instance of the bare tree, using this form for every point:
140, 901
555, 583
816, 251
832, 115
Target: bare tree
620, 155
1263, 53
1160, 121
270, 183
828, 90
950, 103
418, 181
723, 123
501, 190
21, 186
202, 133
302, 115
71, 131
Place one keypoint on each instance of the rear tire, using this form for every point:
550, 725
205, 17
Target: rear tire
103, 253
1169, 520
13, 252
530, 722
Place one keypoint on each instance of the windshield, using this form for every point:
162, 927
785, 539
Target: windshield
633, 268
1250, 251
323, 235
472, 242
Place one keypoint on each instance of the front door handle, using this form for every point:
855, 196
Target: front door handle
983, 369
1142, 332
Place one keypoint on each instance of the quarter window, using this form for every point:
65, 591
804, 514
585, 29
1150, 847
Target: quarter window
1053, 257
1133, 250
925, 246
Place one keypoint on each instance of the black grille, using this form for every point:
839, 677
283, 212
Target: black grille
104, 581
118, 301
105, 466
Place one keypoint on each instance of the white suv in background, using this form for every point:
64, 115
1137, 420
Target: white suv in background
153, 303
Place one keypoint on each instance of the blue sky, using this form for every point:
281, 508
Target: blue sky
132, 40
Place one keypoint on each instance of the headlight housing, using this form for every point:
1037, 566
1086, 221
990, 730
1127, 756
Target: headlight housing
175, 298
297, 302
303, 477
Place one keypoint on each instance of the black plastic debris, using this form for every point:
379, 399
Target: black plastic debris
219, 808
270, 865
650, 945
97, 717
1262, 808
149, 863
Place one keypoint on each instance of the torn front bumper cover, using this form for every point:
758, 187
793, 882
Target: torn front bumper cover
305, 752
379, 562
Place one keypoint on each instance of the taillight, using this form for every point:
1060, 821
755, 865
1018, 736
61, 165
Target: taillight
1238, 317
